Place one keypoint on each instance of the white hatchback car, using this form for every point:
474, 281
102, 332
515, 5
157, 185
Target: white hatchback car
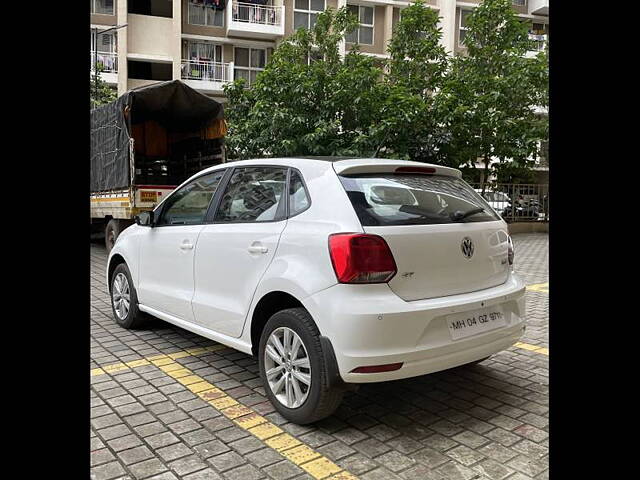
332, 272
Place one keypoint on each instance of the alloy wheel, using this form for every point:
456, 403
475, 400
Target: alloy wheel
287, 367
121, 296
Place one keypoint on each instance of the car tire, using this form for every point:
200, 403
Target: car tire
321, 399
121, 286
111, 232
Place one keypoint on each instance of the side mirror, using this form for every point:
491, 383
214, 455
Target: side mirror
144, 219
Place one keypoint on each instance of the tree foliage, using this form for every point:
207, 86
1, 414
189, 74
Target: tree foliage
418, 104
101, 92
489, 96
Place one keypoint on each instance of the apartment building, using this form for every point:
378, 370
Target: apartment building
207, 43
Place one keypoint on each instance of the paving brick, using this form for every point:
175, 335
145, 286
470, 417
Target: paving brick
283, 471
107, 471
488, 421
226, 461
187, 465
135, 455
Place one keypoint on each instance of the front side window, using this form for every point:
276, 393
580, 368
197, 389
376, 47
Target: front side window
249, 62
103, 7
305, 13
210, 14
253, 195
298, 199
383, 199
189, 205
364, 32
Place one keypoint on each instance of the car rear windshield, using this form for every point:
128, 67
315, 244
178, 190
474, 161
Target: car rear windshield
381, 199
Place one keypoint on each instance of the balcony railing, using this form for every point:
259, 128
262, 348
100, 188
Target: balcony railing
207, 71
540, 41
258, 14
108, 61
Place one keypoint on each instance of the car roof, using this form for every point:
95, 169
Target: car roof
341, 164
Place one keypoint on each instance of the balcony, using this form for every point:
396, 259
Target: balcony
540, 43
539, 7
109, 63
258, 21
207, 77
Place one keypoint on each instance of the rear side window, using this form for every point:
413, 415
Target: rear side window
414, 199
253, 194
298, 199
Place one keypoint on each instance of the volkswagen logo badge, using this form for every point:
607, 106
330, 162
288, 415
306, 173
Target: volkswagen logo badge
467, 247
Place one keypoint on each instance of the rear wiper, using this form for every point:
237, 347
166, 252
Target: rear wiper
413, 210
459, 215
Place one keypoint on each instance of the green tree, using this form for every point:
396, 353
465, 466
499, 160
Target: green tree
101, 92
408, 126
489, 97
308, 100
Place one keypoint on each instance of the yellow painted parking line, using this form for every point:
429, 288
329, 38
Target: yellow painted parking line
533, 348
158, 360
539, 287
317, 465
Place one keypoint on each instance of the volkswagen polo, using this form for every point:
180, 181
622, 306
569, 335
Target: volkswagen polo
332, 272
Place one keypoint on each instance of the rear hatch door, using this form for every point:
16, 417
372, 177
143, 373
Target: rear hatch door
440, 246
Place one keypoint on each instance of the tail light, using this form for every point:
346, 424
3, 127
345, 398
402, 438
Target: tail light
511, 253
361, 258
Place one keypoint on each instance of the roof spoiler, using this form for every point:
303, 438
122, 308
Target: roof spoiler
381, 165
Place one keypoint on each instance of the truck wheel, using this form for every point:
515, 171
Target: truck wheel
111, 234
293, 368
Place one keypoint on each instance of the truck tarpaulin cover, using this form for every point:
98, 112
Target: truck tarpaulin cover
173, 104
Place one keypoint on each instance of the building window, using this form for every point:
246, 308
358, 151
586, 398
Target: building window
103, 7
464, 14
538, 33
305, 13
203, 61
364, 33
519, 3
207, 14
154, 8
104, 42
104, 52
249, 62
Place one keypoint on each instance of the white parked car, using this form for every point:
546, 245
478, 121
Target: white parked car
332, 272
496, 200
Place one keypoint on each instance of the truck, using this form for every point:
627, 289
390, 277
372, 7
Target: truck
143, 145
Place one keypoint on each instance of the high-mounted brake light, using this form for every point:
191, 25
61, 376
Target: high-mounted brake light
427, 170
361, 258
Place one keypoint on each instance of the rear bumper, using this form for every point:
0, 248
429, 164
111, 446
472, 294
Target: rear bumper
371, 325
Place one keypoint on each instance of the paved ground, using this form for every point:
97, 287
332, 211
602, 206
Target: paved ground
167, 404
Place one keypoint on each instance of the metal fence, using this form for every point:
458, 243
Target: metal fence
518, 202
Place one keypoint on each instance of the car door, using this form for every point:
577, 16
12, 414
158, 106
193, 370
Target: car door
235, 250
167, 250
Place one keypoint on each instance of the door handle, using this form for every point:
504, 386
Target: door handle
257, 249
186, 245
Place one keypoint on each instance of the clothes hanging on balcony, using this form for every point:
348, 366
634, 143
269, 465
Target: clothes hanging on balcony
215, 4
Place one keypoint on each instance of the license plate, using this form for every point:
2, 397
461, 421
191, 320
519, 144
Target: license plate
473, 322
